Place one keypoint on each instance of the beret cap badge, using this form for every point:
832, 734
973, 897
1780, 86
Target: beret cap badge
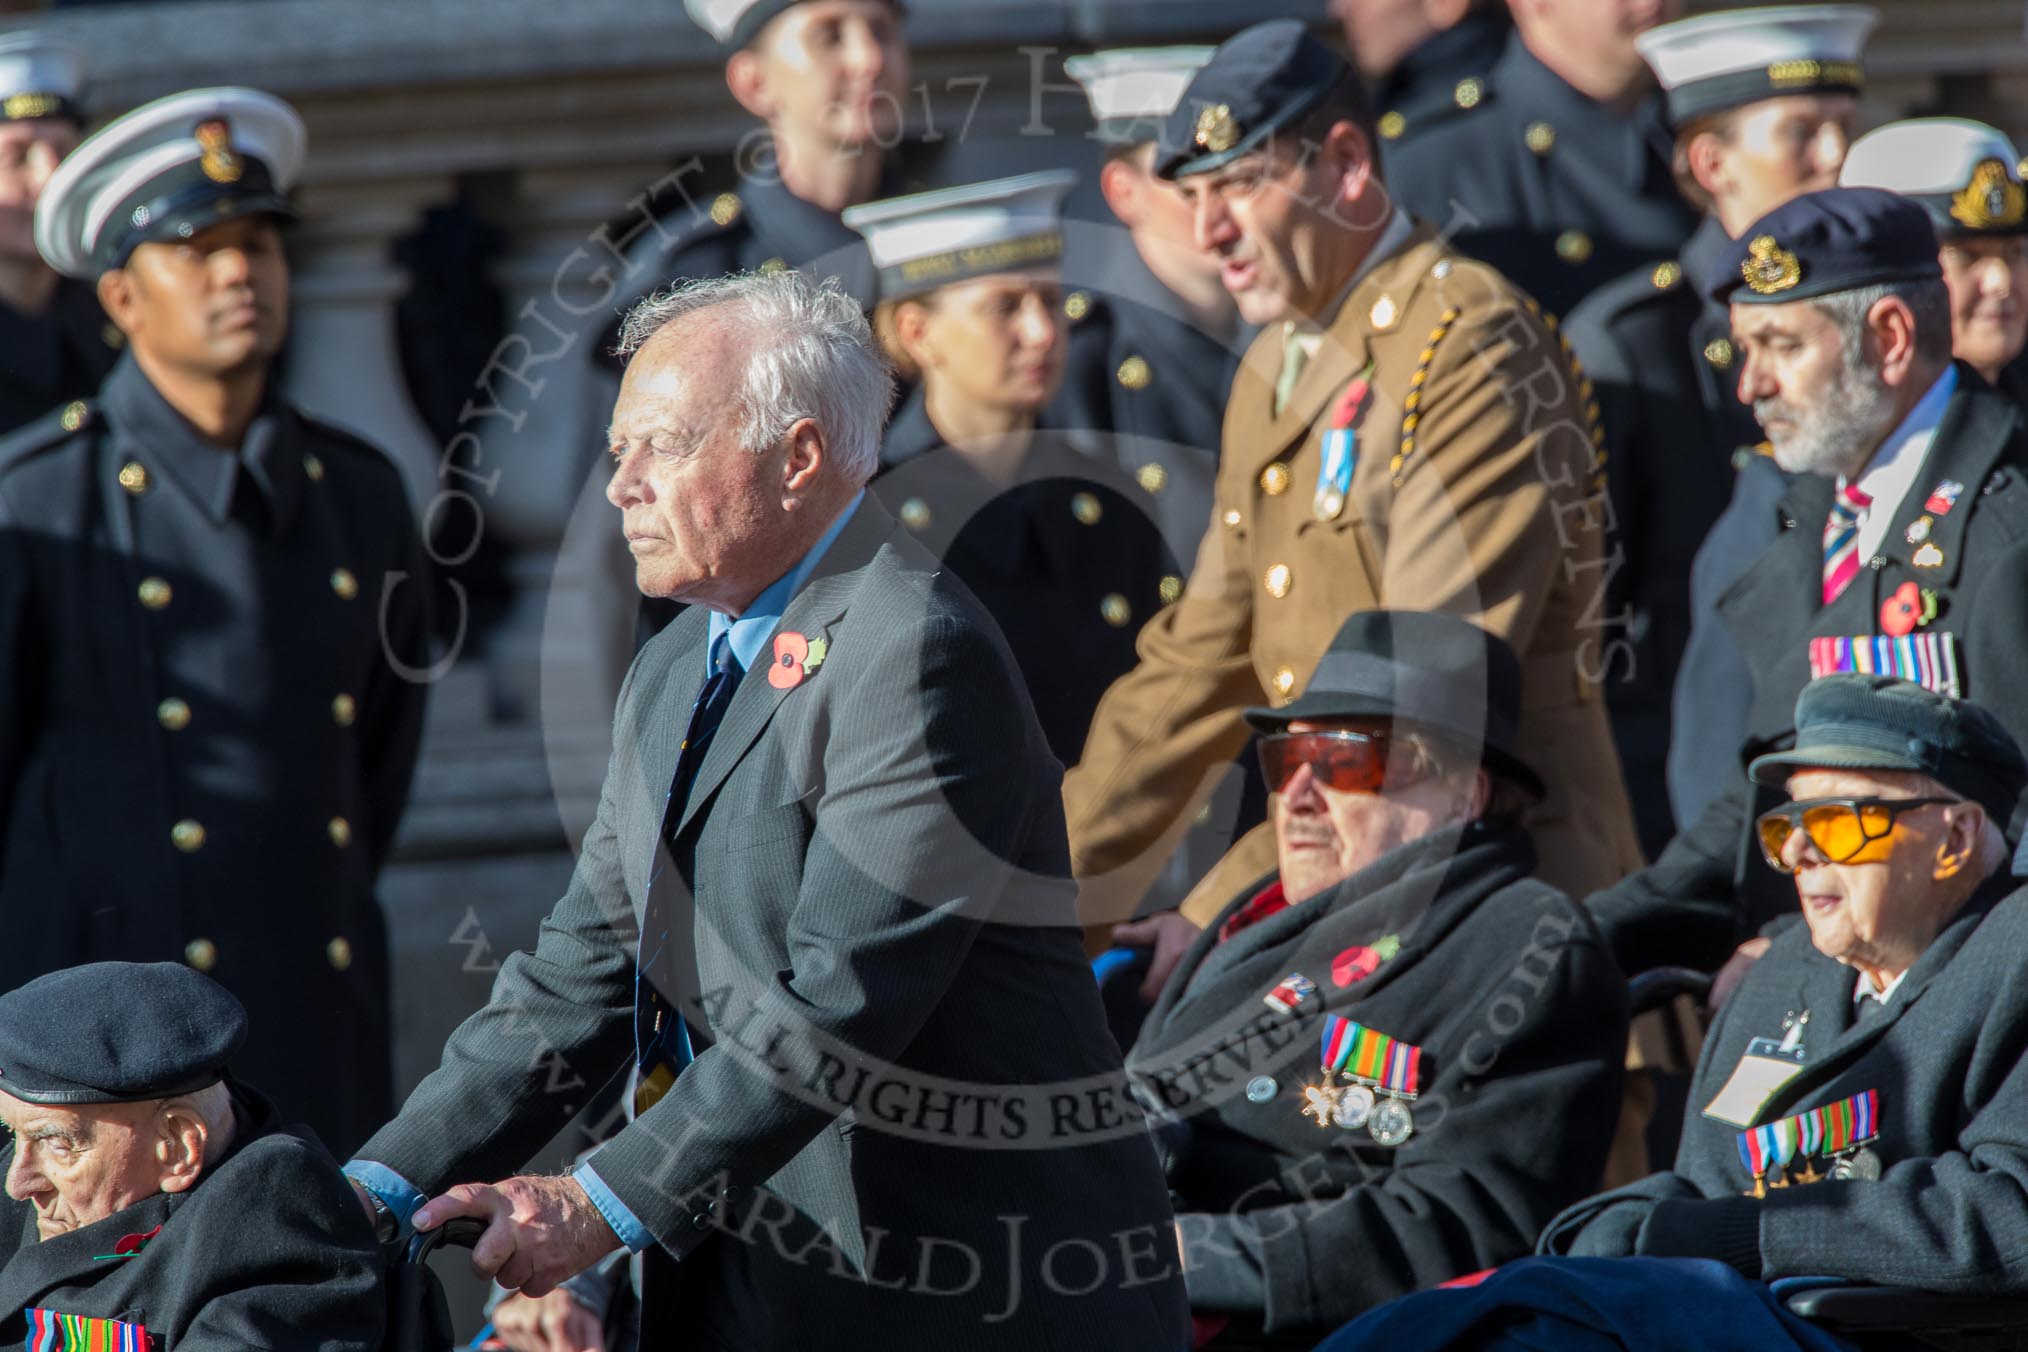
1216, 131
219, 161
1769, 268
1990, 199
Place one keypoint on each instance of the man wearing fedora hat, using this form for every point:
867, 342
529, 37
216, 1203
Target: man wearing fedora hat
1398, 1042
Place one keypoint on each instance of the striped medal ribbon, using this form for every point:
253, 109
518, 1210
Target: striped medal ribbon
1384, 1072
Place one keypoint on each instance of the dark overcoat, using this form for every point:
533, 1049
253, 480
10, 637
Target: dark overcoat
270, 1249
1446, 943
211, 698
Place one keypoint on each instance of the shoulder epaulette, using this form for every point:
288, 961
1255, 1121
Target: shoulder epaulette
52, 429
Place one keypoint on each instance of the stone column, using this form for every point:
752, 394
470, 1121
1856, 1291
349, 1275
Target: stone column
344, 365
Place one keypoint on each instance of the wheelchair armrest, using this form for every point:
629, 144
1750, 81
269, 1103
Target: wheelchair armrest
1842, 1309
1657, 987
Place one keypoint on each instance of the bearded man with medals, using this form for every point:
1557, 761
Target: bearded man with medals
1390, 1061
1860, 1110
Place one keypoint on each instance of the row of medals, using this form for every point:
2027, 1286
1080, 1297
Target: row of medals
1860, 1165
1352, 1106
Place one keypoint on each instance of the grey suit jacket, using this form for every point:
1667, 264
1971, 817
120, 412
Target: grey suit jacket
891, 986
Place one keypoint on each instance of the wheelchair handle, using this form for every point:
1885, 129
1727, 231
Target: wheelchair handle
463, 1231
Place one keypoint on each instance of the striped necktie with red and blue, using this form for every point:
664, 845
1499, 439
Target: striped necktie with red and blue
1841, 540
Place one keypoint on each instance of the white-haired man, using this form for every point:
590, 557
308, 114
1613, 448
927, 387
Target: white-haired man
1899, 552
152, 1199
823, 912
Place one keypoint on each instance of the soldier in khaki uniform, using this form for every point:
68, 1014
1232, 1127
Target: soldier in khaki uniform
1429, 446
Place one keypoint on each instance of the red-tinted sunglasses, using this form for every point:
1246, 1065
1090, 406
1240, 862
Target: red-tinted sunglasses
1350, 762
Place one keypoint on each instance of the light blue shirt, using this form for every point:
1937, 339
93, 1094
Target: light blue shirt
750, 634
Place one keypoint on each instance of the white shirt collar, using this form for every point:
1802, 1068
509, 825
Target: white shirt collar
1893, 469
1863, 989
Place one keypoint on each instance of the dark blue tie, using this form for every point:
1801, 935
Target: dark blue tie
661, 1042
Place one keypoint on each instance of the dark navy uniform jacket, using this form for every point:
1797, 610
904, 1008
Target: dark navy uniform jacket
49, 359
268, 1250
1553, 188
205, 746
1660, 357
1426, 81
1710, 888
1146, 390
1068, 560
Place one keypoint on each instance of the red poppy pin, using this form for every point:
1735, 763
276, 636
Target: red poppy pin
795, 658
1907, 608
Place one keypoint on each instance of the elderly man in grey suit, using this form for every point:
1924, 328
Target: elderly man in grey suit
822, 912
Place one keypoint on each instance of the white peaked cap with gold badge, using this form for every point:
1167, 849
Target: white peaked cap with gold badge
735, 23
1134, 89
1713, 62
932, 239
39, 77
165, 171
1966, 174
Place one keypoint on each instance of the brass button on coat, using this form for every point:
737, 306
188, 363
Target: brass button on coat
1171, 588
1285, 681
915, 514
1115, 610
1274, 480
313, 467
187, 836
339, 952
1152, 476
1277, 581
134, 477
341, 832
173, 714
343, 710
1086, 508
201, 954
1135, 373
346, 585
155, 593
1718, 352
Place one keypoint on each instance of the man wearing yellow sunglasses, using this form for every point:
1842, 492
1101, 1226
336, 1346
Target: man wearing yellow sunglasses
1861, 1106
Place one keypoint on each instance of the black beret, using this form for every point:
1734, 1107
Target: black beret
1262, 79
1857, 721
1837, 239
117, 1032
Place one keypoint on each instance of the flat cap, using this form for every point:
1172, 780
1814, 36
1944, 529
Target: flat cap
165, 171
1855, 721
1261, 80
117, 1032
1835, 239
1440, 672
1966, 174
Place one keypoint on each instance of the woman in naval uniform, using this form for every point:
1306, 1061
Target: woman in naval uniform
1061, 548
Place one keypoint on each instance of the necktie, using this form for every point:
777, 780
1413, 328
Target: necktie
1295, 356
1841, 541
661, 1042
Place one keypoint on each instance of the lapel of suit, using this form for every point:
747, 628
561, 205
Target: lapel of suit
38, 1267
1384, 293
820, 602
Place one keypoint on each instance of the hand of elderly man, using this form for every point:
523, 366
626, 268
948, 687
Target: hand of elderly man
557, 1322
1170, 935
539, 1231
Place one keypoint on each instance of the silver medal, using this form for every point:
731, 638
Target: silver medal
1355, 1105
1327, 504
1862, 1165
1391, 1122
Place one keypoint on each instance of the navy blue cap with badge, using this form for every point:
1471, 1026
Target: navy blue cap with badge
1836, 239
1259, 82
117, 1032
166, 171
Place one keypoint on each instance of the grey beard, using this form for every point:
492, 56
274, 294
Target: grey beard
1838, 433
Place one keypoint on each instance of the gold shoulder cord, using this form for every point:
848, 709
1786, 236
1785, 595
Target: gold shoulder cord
1411, 404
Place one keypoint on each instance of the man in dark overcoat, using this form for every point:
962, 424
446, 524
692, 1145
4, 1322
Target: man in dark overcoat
213, 614
1389, 1062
